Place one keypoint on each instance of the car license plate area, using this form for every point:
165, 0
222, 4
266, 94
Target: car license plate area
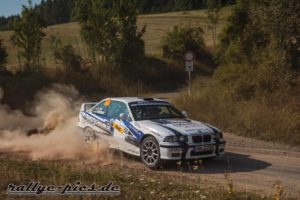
203, 148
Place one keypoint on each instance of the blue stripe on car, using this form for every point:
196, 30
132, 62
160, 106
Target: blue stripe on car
136, 133
102, 119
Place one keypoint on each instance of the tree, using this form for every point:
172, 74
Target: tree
213, 15
280, 22
109, 29
65, 54
259, 49
56, 12
182, 39
28, 37
258, 25
97, 28
131, 43
3, 56
234, 39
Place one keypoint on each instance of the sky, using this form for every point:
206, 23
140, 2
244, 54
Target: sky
13, 7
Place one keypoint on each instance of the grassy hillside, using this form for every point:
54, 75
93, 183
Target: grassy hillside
157, 26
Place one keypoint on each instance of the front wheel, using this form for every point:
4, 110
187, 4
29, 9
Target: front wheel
150, 153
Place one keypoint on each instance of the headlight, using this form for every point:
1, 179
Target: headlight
218, 135
182, 138
174, 138
171, 139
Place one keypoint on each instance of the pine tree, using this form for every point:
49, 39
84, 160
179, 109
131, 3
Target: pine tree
110, 30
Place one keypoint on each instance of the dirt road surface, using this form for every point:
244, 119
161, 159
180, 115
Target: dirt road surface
251, 165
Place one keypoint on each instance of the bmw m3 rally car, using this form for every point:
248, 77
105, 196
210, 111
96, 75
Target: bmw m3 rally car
150, 128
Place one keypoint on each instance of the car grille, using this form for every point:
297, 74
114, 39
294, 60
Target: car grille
197, 139
206, 138
201, 138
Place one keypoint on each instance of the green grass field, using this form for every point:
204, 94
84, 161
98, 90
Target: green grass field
157, 26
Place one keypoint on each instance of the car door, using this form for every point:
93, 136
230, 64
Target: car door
115, 109
122, 127
99, 112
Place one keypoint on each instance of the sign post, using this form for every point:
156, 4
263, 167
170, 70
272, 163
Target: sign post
189, 66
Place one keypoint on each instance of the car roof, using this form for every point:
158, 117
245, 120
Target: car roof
135, 99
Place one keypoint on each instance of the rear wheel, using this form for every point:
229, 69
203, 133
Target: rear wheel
150, 153
88, 135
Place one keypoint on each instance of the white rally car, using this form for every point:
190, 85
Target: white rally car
150, 128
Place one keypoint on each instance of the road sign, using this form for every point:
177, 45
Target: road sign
189, 56
189, 66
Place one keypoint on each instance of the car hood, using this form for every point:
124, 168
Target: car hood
183, 126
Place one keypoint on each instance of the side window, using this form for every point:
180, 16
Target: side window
163, 110
100, 109
116, 108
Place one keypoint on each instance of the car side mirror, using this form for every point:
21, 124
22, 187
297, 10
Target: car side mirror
125, 117
184, 113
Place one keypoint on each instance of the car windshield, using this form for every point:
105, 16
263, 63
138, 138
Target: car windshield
153, 110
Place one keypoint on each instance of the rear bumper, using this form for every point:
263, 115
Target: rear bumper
189, 152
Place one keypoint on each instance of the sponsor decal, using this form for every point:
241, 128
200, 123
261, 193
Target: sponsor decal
145, 103
118, 127
88, 118
96, 121
182, 123
194, 131
137, 135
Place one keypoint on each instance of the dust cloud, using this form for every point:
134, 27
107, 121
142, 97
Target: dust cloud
51, 132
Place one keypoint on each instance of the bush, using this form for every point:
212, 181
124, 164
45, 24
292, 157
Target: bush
272, 116
264, 45
182, 39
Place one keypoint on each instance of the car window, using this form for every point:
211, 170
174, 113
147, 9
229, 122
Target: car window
163, 110
116, 108
100, 109
152, 110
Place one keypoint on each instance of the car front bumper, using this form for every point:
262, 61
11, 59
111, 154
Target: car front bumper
191, 151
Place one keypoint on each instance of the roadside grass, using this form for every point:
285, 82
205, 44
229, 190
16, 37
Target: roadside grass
270, 117
157, 26
134, 184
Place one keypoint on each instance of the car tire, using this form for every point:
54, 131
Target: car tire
88, 135
150, 153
